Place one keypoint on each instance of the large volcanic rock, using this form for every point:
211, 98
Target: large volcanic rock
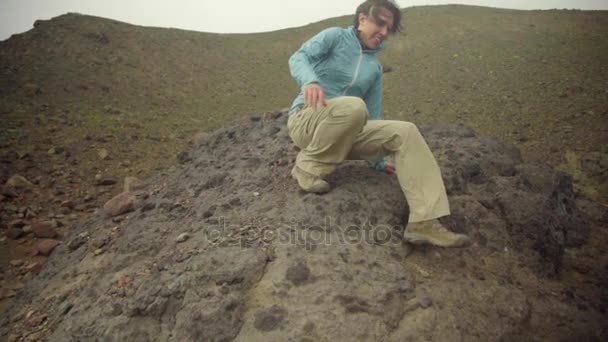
264, 261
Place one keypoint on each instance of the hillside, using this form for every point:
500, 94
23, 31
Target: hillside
534, 78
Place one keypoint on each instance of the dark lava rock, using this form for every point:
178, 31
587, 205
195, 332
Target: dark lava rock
271, 318
233, 278
298, 274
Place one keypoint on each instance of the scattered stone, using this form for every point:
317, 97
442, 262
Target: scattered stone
34, 268
103, 154
16, 263
109, 109
309, 327
44, 230
254, 116
16, 224
386, 68
98, 251
106, 181
89, 198
78, 241
353, 304
298, 274
27, 229
235, 202
272, 115
46, 246
99, 243
57, 223
8, 192
65, 308
270, 319
14, 233
182, 237
31, 89
58, 192
30, 214
183, 157
132, 184
198, 138
122, 203
19, 182
115, 310
148, 206
34, 318
7, 293
10, 208
425, 302
67, 204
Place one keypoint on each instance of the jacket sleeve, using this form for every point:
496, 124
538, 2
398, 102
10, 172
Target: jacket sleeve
301, 63
373, 98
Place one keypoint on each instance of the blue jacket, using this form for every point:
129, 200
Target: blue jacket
336, 61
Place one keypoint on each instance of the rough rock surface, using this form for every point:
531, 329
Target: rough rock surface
267, 262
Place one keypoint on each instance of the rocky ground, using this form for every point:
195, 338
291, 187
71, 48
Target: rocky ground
224, 246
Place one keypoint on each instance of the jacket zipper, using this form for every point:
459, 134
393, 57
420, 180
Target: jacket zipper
356, 71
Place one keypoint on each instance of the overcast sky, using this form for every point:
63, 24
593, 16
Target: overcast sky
225, 16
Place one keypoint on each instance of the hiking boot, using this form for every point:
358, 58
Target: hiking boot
434, 233
308, 182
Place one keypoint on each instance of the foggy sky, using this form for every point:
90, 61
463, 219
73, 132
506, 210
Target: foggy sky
222, 16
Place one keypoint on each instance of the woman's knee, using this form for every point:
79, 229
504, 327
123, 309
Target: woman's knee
408, 129
348, 101
354, 106
407, 126
400, 133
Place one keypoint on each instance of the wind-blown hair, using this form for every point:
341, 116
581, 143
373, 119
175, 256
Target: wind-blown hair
372, 8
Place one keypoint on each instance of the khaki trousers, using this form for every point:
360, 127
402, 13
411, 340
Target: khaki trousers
339, 131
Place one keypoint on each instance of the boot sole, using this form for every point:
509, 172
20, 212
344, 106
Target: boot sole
419, 239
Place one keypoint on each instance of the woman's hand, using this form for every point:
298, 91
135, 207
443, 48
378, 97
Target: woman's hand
389, 168
313, 96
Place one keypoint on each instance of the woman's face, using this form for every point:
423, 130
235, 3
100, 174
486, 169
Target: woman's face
375, 29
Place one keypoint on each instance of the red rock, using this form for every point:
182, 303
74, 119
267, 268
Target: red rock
67, 204
14, 233
34, 268
44, 230
32, 250
46, 246
16, 223
34, 319
122, 203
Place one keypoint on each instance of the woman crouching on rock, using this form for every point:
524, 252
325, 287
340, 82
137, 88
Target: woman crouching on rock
338, 116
